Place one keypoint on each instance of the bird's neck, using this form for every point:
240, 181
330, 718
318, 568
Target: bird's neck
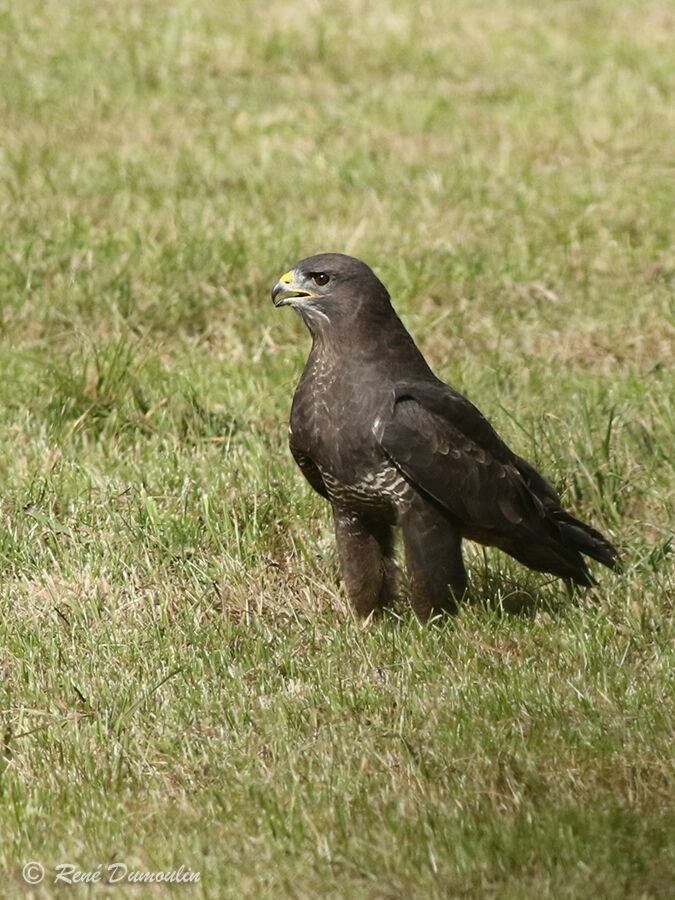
378, 341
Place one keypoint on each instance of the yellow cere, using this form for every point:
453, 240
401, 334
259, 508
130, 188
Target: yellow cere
287, 277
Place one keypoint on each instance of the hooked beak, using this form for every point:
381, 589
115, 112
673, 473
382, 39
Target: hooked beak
288, 291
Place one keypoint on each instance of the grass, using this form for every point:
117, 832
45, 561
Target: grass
182, 681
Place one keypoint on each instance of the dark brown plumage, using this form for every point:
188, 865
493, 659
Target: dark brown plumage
388, 444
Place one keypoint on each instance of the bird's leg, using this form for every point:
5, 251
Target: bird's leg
433, 551
365, 549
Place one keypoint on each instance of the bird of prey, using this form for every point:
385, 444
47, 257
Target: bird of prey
390, 445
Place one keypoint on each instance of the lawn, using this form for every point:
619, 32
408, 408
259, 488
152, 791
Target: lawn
182, 680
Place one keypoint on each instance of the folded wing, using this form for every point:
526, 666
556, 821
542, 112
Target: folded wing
448, 450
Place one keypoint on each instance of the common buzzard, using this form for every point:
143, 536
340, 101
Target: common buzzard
389, 445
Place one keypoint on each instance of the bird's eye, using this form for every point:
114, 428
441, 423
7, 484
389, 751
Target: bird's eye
320, 278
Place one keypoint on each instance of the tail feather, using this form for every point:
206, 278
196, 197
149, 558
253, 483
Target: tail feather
570, 536
553, 556
561, 546
587, 540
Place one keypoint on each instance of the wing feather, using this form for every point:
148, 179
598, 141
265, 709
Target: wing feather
458, 459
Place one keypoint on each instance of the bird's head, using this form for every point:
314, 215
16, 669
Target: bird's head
329, 288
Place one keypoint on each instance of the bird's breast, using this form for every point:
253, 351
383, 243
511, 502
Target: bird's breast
380, 488
333, 410
332, 423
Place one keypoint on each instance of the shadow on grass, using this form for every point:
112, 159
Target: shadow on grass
501, 596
